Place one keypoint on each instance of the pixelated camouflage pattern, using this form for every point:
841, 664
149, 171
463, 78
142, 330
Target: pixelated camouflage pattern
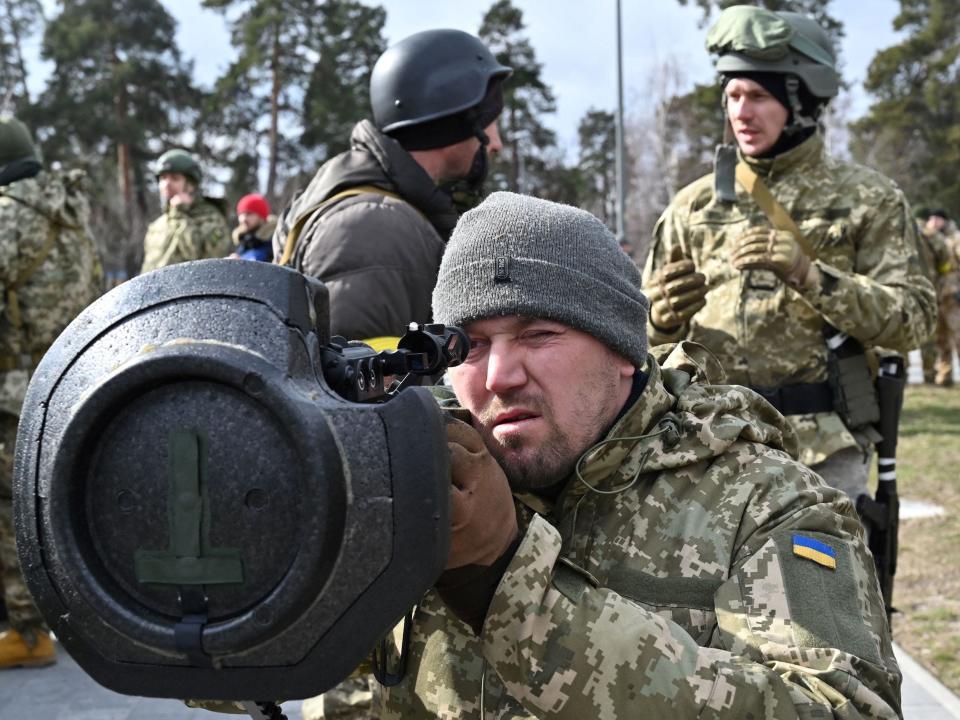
70, 277
948, 325
766, 334
193, 233
21, 612
68, 280
673, 593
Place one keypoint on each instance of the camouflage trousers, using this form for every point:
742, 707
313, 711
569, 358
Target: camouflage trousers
847, 470
22, 613
353, 699
928, 356
948, 339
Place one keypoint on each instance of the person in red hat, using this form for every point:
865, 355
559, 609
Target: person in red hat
252, 236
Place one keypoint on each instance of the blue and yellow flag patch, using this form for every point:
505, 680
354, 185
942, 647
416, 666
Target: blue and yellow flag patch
815, 550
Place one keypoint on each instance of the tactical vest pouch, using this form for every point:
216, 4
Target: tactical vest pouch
854, 395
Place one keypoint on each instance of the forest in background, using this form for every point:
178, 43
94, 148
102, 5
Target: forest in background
120, 93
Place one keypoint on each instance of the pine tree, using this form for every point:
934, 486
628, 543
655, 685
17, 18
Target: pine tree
349, 43
912, 130
119, 94
19, 19
260, 91
527, 98
597, 133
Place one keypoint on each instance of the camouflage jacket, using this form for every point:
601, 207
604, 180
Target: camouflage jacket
50, 206
947, 245
181, 234
668, 582
766, 334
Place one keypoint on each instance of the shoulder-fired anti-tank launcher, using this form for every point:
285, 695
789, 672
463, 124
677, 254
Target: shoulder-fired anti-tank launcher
213, 499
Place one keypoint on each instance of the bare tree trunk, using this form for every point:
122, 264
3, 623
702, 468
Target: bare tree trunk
18, 50
514, 152
123, 150
274, 113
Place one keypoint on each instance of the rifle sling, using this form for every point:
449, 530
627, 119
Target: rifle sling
774, 211
293, 236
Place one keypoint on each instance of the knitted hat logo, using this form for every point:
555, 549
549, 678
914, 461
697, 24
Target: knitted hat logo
502, 273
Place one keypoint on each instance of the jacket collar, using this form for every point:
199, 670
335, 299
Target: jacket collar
806, 154
406, 176
620, 456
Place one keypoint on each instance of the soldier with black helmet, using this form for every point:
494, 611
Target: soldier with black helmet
373, 222
784, 248
192, 227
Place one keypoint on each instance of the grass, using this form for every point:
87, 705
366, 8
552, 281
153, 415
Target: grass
927, 584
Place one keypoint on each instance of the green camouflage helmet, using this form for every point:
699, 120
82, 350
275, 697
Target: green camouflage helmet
178, 161
15, 142
752, 39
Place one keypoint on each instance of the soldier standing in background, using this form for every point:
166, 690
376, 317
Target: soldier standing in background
253, 236
191, 227
51, 271
936, 253
763, 284
944, 237
932, 249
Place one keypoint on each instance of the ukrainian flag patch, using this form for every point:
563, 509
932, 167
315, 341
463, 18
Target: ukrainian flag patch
815, 550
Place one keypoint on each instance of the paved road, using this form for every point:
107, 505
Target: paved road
64, 692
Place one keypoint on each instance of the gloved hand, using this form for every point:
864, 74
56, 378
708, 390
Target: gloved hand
483, 521
774, 250
676, 292
483, 526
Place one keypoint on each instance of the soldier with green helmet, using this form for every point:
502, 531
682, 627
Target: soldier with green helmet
783, 246
51, 271
192, 227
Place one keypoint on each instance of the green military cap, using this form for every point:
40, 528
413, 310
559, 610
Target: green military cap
753, 39
15, 142
178, 161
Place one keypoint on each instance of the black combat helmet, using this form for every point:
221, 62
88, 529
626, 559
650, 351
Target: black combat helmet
429, 75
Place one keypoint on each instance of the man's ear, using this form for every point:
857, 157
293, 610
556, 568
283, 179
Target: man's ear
626, 368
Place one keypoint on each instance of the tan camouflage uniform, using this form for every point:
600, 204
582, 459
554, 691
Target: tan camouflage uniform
193, 233
67, 281
935, 257
948, 290
671, 588
767, 334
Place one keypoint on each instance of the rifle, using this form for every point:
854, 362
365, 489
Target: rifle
881, 513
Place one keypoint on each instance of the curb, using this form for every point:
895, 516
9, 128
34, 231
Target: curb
922, 677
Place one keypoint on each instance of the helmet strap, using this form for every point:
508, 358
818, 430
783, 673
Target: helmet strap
798, 120
467, 192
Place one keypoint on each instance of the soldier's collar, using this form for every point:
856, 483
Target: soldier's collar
807, 152
640, 419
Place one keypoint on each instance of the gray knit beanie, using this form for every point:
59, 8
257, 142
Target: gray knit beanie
518, 255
